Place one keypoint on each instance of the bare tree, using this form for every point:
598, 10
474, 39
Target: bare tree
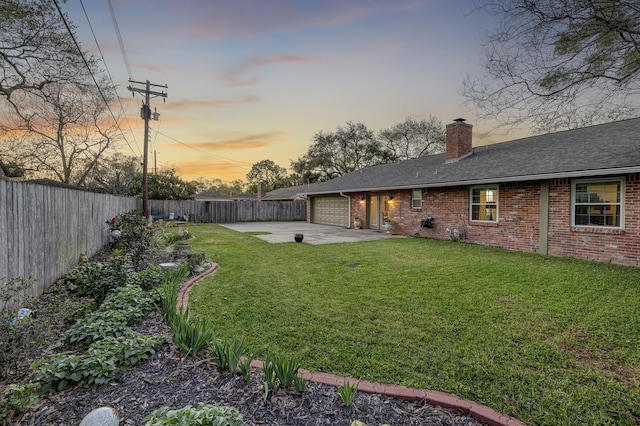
413, 138
54, 98
559, 63
65, 129
35, 47
114, 174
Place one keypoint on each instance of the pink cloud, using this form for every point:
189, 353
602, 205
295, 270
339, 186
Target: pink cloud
260, 140
237, 77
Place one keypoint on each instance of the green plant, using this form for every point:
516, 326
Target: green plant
203, 415
286, 369
129, 349
64, 368
245, 368
347, 392
130, 300
268, 368
96, 280
191, 336
148, 278
300, 384
97, 326
22, 397
227, 353
168, 292
98, 365
136, 235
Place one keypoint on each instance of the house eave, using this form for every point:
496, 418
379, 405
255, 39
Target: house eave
543, 176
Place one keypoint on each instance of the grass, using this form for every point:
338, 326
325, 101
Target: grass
544, 339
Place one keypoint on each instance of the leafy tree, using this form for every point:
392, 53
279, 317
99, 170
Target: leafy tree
334, 154
219, 186
559, 63
413, 138
164, 185
267, 172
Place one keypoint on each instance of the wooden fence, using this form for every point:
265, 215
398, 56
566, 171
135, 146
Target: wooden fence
230, 211
44, 229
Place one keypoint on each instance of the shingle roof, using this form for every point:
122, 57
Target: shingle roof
596, 150
289, 193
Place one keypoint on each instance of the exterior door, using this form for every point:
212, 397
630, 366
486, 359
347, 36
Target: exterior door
378, 210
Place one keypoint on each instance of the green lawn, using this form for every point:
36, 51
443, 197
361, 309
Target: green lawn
547, 340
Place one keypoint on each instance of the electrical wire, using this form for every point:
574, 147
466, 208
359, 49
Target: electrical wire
75, 42
122, 110
216, 157
122, 49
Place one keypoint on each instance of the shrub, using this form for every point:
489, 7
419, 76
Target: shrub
148, 278
96, 280
203, 414
136, 235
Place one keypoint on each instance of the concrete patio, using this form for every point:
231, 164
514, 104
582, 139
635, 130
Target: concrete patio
283, 232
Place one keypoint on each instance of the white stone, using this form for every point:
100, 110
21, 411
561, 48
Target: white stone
103, 416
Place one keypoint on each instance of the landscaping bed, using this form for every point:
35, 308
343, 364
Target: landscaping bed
166, 377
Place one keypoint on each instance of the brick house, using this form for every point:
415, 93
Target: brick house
571, 193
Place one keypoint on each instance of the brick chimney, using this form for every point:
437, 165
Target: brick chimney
458, 140
262, 190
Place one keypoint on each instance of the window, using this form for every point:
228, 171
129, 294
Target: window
484, 203
597, 203
416, 198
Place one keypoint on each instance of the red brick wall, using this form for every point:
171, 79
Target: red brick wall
606, 245
518, 225
518, 216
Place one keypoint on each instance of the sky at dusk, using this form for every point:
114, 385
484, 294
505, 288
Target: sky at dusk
250, 80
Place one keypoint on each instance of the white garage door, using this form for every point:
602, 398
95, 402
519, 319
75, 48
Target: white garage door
330, 211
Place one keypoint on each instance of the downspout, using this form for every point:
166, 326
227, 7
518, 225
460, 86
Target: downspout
348, 198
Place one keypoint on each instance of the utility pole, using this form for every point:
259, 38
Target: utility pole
155, 162
145, 113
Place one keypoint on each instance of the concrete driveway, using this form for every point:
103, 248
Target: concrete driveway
282, 232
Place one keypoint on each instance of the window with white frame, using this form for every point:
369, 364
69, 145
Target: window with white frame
416, 198
597, 202
484, 203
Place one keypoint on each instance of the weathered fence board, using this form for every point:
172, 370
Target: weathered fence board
229, 211
44, 229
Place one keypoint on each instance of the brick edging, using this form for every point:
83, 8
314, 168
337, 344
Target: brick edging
185, 288
479, 412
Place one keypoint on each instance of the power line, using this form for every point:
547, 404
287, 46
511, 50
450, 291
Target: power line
104, 98
122, 110
122, 49
217, 157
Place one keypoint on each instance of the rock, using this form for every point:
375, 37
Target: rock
103, 416
168, 265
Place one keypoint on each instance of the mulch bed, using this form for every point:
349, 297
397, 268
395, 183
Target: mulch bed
167, 379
